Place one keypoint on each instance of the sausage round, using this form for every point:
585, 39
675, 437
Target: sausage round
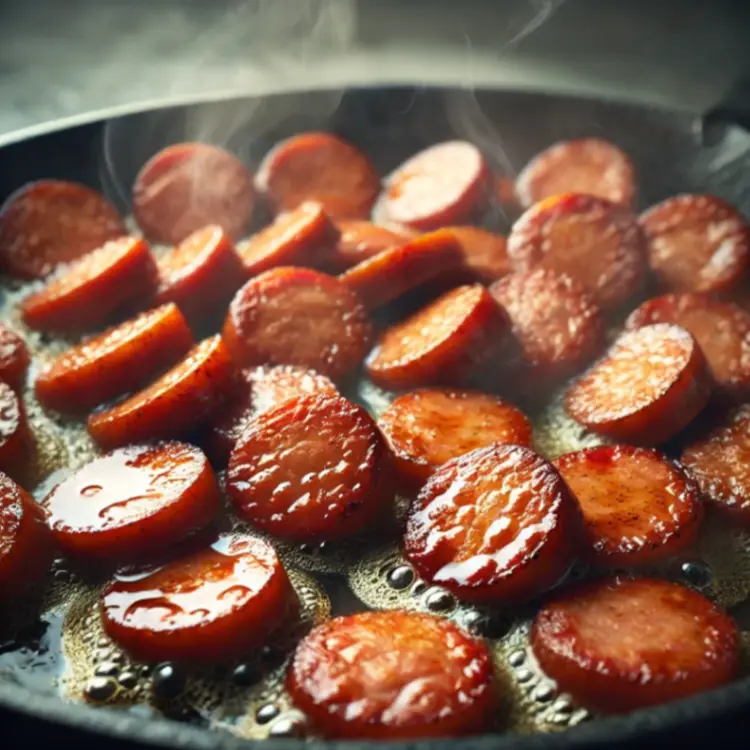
448, 183
214, 605
133, 502
14, 358
497, 524
52, 222
16, 443
697, 243
590, 166
638, 507
428, 427
622, 644
653, 382
311, 469
485, 254
188, 186
297, 316
594, 241
441, 343
392, 675
360, 240
320, 167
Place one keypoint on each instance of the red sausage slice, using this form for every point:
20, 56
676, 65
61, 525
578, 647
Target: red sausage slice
14, 358
297, 316
588, 165
16, 445
497, 524
133, 502
201, 274
188, 186
302, 237
310, 469
697, 243
556, 323
260, 389
212, 606
720, 463
428, 427
360, 240
448, 183
180, 401
115, 362
392, 675
442, 343
721, 329
51, 222
485, 254
25, 550
651, 384
386, 276
638, 507
597, 243
319, 167
89, 292
619, 645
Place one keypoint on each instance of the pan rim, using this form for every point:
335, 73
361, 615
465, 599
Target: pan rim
163, 732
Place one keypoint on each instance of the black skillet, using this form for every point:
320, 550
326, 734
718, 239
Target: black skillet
673, 152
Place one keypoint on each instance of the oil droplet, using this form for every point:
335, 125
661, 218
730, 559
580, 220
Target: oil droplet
266, 713
168, 681
401, 577
99, 689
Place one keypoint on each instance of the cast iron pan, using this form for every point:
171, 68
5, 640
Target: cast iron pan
673, 152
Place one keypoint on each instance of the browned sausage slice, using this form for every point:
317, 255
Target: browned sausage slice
485, 253
651, 384
697, 243
360, 240
618, 645
14, 358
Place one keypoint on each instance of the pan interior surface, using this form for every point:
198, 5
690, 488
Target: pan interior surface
388, 124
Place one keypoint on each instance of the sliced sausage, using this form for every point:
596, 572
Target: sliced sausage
311, 469
86, 294
214, 605
133, 502
260, 389
556, 324
588, 165
697, 243
52, 222
25, 549
497, 524
485, 254
387, 275
638, 507
297, 316
597, 243
188, 186
720, 463
180, 401
721, 329
14, 358
622, 644
201, 274
304, 236
428, 427
392, 675
653, 382
16, 444
360, 240
115, 362
320, 167
441, 343
448, 183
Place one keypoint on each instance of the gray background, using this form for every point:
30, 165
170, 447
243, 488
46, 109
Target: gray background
59, 58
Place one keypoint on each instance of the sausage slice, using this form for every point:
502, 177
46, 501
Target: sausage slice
392, 675
14, 358
133, 502
497, 524
621, 644
638, 507
16, 443
653, 382
360, 240
485, 254
211, 606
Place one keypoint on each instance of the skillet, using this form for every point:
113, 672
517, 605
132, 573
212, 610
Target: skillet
672, 152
